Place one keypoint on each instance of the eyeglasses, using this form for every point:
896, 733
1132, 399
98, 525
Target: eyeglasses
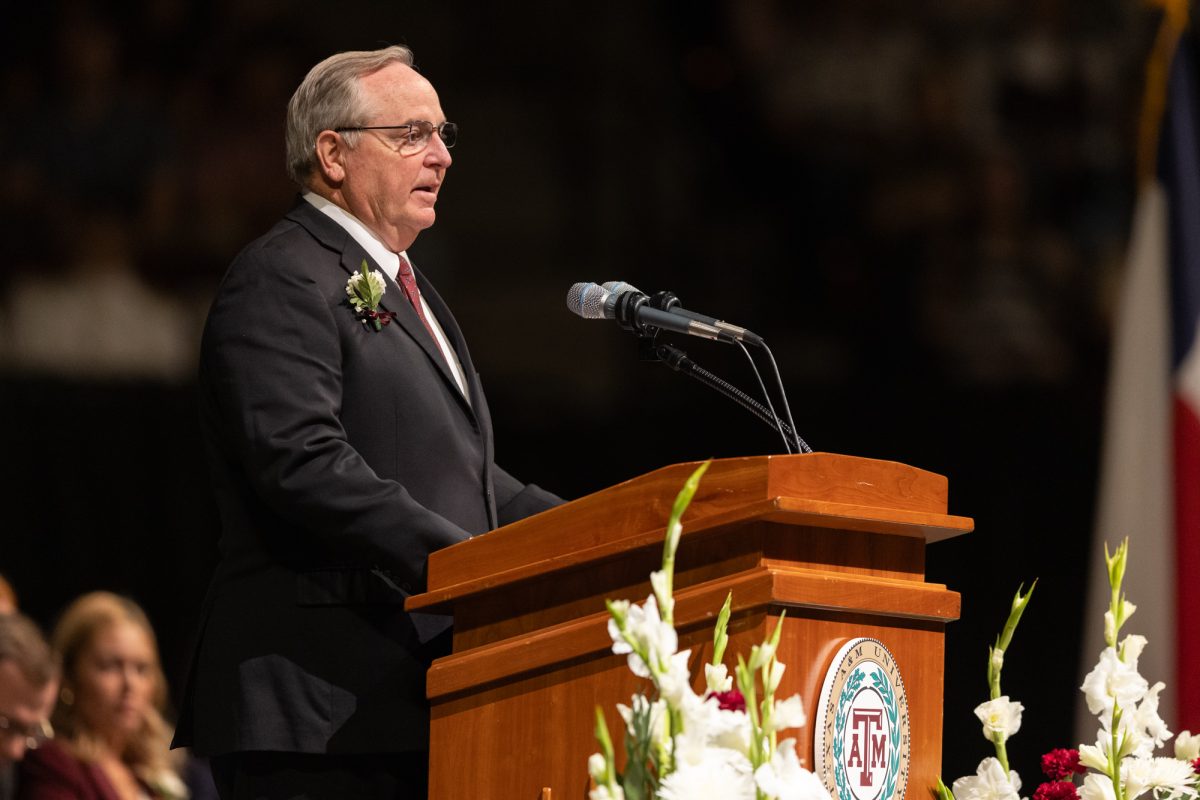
34, 734
416, 134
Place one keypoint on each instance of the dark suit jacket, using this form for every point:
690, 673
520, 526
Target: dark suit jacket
341, 457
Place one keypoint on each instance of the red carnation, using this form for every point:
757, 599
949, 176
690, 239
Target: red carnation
1196, 766
1056, 790
1061, 764
729, 701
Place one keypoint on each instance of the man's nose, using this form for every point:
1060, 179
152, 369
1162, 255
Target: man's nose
437, 154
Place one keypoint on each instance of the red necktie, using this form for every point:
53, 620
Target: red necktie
408, 282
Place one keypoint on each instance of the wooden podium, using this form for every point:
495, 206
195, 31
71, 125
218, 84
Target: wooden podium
836, 540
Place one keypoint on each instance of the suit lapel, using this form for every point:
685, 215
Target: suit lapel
453, 334
336, 238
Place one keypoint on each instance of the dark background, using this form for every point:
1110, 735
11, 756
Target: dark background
922, 206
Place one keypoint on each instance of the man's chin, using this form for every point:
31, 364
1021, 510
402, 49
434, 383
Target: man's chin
425, 219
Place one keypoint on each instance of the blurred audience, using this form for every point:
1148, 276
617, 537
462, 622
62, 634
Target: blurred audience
111, 739
28, 682
138, 167
98, 318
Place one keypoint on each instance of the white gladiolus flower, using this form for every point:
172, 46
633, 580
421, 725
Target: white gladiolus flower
676, 681
1132, 647
785, 779
1093, 757
1113, 678
658, 716
1147, 720
602, 793
1187, 746
644, 630
658, 582
620, 607
1132, 740
707, 727
719, 775
717, 678
988, 783
760, 654
1097, 787
1140, 732
1001, 718
1110, 622
698, 749
789, 714
774, 676
1169, 777
597, 766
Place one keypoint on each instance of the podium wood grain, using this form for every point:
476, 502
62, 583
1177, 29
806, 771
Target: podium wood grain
836, 540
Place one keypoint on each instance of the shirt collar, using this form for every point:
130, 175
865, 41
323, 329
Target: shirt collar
376, 249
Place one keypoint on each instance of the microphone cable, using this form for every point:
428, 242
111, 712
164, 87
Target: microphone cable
801, 445
679, 361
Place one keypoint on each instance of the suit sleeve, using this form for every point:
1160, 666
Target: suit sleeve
271, 373
516, 500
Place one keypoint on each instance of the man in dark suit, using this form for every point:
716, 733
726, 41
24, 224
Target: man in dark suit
347, 441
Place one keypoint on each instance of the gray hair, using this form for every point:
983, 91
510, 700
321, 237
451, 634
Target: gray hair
329, 97
22, 643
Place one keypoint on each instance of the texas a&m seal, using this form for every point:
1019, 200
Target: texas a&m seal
861, 740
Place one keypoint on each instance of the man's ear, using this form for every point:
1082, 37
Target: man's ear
331, 153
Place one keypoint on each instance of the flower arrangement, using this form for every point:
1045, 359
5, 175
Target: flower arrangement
1121, 765
1001, 718
683, 745
365, 290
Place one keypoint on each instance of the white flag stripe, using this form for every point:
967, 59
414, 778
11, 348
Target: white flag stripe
1135, 495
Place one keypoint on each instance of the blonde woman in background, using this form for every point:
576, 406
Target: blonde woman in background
111, 739
8, 598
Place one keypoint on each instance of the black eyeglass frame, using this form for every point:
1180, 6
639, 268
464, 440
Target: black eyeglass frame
442, 130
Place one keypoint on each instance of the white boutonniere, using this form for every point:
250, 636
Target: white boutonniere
365, 289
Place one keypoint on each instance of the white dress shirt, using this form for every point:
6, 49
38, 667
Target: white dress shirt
390, 263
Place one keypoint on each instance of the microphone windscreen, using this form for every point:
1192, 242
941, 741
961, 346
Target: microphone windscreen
587, 300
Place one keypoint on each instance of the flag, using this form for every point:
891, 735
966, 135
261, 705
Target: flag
1150, 468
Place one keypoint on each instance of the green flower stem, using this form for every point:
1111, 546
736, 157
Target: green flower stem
1001, 753
676, 722
674, 530
942, 791
768, 707
768, 701
745, 680
996, 655
606, 749
721, 631
1116, 575
1004, 640
1114, 754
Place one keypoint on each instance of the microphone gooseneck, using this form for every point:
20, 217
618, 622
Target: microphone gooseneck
646, 315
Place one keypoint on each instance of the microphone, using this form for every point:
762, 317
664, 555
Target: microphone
667, 301
633, 312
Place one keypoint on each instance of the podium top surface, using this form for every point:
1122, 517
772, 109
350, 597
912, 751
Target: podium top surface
818, 489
